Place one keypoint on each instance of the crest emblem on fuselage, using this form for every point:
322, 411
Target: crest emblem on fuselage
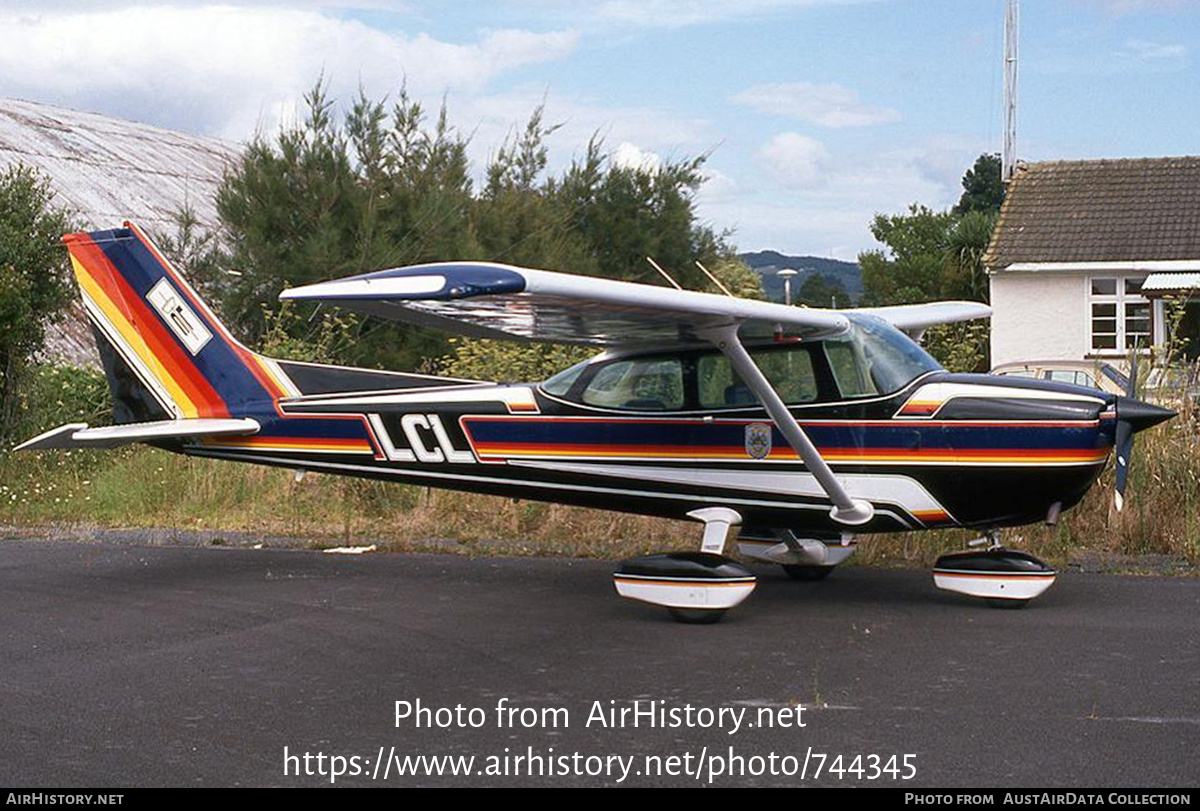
758, 440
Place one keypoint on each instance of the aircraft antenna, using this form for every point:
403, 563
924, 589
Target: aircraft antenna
665, 275
714, 279
1008, 160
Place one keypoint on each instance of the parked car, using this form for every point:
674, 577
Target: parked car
1174, 385
1092, 373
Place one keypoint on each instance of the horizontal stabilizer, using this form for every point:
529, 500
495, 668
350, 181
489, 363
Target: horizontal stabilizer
78, 435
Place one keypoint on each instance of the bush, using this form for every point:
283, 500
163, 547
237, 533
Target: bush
508, 362
54, 395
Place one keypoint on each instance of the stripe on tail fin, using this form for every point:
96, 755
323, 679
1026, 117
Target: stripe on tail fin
156, 324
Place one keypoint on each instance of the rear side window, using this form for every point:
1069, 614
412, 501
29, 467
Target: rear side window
644, 384
789, 370
1070, 376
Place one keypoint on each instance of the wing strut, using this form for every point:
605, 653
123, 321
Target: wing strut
846, 510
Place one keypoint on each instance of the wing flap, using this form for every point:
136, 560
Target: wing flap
78, 435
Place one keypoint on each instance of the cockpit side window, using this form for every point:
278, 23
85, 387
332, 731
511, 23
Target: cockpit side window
643, 384
871, 359
790, 371
850, 369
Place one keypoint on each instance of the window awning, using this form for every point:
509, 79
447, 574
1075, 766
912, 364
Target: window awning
1171, 282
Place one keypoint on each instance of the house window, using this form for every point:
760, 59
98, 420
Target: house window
1120, 314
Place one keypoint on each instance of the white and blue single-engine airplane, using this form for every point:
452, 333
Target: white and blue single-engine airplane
792, 431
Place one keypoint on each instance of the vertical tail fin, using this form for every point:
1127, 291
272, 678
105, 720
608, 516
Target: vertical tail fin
166, 354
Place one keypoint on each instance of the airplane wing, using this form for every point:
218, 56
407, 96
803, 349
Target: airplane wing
485, 299
78, 435
919, 317
501, 301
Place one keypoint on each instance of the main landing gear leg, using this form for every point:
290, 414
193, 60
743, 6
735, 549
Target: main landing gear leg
696, 587
1006, 578
801, 558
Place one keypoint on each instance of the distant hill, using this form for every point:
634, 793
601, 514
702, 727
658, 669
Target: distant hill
768, 263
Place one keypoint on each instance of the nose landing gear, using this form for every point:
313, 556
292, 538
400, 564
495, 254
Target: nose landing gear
1005, 578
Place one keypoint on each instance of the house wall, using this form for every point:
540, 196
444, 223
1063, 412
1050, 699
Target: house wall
1039, 315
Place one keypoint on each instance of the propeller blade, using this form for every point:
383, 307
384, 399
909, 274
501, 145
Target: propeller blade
1123, 442
1124, 447
1132, 416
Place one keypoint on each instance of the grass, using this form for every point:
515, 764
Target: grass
148, 488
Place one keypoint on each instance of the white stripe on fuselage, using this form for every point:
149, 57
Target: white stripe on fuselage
416, 472
901, 491
518, 398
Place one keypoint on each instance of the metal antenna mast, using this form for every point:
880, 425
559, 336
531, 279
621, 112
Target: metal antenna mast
1008, 160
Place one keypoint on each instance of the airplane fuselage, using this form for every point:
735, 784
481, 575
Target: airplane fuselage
946, 450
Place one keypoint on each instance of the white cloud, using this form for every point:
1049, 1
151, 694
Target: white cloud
828, 105
628, 156
796, 159
1154, 55
489, 118
1134, 56
680, 13
221, 69
718, 187
832, 216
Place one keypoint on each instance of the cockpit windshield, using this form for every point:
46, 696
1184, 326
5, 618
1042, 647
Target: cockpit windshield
561, 383
875, 358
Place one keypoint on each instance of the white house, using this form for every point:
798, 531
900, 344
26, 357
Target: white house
1086, 255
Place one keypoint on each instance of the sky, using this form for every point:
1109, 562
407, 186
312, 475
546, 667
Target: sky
815, 114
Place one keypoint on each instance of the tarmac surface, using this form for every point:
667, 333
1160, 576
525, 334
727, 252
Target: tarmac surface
128, 665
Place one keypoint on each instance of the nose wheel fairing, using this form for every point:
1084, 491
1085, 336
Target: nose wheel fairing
1003, 577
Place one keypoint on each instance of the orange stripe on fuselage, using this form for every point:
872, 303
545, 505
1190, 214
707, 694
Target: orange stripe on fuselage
999, 456
294, 444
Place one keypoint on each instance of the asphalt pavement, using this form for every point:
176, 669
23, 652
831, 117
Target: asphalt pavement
130, 665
